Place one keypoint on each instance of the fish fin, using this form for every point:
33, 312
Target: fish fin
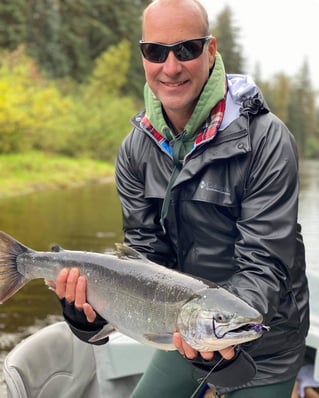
126, 251
10, 278
106, 331
160, 338
56, 248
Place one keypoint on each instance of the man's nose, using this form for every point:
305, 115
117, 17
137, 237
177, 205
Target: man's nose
172, 65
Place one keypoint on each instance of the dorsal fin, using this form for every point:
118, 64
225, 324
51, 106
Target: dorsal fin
126, 251
56, 248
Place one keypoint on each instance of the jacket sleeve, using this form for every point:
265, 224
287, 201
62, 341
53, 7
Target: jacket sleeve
266, 248
141, 214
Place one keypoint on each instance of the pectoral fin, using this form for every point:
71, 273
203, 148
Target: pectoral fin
163, 338
106, 331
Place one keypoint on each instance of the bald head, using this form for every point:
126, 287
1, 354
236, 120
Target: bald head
193, 10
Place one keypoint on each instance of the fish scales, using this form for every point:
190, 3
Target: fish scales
144, 296
141, 299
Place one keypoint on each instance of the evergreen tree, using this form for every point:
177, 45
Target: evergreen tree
66, 36
45, 40
302, 110
13, 23
227, 35
280, 95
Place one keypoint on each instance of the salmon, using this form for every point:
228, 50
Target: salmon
139, 298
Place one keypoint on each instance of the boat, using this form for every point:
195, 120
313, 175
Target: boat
52, 362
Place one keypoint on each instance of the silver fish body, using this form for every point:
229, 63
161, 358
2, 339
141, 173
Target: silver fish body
139, 298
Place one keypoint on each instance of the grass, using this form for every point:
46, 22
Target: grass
28, 172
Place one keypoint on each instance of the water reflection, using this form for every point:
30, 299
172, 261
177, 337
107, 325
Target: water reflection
83, 218
86, 218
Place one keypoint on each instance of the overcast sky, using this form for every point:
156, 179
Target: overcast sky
278, 34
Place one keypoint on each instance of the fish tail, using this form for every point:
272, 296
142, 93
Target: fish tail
10, 278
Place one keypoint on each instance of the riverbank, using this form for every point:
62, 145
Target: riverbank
24, 173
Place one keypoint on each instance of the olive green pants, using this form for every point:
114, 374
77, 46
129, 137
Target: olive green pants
170, 376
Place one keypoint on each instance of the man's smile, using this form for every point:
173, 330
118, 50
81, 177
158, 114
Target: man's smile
175, 84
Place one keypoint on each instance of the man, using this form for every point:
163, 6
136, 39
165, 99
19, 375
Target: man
208, 182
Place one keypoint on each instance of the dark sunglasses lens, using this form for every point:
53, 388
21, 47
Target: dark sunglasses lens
184, 51
154, 52
190, 49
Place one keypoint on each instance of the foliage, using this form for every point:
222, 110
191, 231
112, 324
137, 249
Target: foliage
90, 121
281, 93
111, 63
22, 173
302, 112
13, 23
95, 42
294, 101
227, 35
65, 36
28, 103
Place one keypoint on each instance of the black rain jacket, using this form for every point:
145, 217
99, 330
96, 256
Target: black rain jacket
232, 219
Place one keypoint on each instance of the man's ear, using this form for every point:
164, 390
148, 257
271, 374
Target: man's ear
212, 48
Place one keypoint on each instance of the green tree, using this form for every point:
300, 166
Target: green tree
228, 45
302, 110
46, 41
66, 36
280, 96
13, 23
29, 106
91, 121
111, 68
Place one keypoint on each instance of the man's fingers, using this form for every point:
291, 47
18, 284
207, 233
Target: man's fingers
80, 299
72, 286
183, 348
61, 282
80, 292
208, 356
187, 351
227, 353
177, 341
70, 291
89, 312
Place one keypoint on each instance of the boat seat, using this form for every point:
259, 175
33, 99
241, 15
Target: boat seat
51, 363
54, 363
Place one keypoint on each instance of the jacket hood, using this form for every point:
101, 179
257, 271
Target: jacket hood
239, 88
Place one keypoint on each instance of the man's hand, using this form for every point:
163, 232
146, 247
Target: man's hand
189, 352
72, 286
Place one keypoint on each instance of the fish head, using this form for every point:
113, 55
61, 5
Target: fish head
218, 319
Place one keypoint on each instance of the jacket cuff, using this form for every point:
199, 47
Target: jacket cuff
86, 335
79, 325
229, 373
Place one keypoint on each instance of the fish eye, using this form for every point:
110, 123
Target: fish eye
220, 317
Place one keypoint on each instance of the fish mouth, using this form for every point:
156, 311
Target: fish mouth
220, 331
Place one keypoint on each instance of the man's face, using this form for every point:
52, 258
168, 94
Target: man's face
177, 84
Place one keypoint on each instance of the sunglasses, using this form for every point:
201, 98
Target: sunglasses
185, 50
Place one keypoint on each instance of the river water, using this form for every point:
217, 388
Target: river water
89, 218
